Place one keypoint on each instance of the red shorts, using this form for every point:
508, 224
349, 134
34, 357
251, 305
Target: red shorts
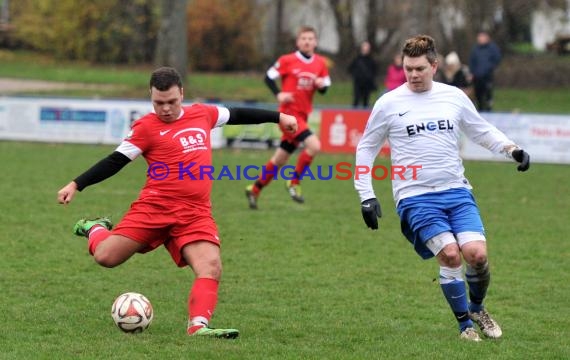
174, 224
302, 126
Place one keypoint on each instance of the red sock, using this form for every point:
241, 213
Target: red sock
303, 162
202, 303
97, 234
268, 172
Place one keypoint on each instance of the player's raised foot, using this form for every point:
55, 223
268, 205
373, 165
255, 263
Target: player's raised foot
82, 227
469, 334
215, 333
488, 326
295, 192
251, 197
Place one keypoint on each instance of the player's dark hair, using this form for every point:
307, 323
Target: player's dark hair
421, 45
164, 78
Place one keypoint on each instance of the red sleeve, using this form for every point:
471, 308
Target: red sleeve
282, 65
212, 114
139, 134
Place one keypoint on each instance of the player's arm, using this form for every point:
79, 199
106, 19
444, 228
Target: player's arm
270, 80
249, 116
481, 132
519, 155
322, 84
102, 170
272, 85
366, 151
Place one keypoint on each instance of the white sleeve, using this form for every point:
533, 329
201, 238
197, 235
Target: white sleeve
223, 116
367, 150
272, 73
129, 150
481, 132
327, 81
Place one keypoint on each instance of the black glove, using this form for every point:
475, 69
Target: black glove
523, 158
370, 212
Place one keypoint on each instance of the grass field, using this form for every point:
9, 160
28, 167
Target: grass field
300, 281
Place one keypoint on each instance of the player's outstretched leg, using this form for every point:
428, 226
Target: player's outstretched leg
83, 226
216, 333
251, 196
488, 326
294, 191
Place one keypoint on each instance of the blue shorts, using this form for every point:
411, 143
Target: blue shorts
424, 216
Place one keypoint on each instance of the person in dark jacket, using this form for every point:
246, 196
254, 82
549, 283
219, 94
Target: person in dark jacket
484, 59
457, 74
363, 72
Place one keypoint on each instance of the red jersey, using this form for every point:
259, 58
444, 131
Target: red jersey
298, 75
178, 154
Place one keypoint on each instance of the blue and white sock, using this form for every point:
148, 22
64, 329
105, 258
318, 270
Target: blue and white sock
453, 287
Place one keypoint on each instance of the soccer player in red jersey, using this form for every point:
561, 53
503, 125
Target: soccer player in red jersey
302, 73
173, 208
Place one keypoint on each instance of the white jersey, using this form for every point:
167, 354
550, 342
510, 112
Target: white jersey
423, 130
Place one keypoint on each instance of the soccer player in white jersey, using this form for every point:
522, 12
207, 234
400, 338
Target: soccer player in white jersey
421, 120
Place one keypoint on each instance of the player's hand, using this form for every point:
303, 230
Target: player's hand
523, 158
285, 97
65, 195
320, 83
371, 211
288, 123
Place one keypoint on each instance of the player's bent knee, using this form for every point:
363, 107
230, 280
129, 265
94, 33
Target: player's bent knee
477, 260
107, 258
315, 147
445, 248
280, 162
450, 256
475, 253
208, 269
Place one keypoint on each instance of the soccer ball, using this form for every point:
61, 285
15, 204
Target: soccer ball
132, 312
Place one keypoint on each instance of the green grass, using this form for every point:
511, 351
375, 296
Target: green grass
132, 82
523, 48
300, 281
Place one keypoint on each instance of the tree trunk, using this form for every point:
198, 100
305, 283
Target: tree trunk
282, 37
172, 39
342, 10
372, 23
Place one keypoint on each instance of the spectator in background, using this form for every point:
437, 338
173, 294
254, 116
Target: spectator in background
395, 75
484, 59
457, 74
438, 76
363, 71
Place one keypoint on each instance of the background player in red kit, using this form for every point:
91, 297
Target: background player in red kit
173, 208
301, 72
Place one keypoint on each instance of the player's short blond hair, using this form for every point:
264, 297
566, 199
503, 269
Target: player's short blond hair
305, 29
421, 45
